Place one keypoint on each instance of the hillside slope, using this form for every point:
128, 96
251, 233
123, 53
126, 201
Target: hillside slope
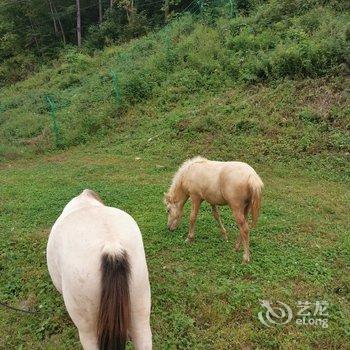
274, 81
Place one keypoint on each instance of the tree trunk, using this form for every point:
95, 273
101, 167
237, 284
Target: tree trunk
166, 10
53, 18
100, 11
129, 8
110, 3
34, 34
78, 22
60, 24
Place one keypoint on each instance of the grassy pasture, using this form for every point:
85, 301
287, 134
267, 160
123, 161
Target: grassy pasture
203, 297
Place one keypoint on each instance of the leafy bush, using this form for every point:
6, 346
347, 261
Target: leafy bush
308, 116
17, 68
116, 28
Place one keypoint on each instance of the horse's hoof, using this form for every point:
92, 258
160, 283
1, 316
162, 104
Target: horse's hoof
237, 247
188, 240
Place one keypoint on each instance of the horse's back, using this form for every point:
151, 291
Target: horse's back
218, 182
237, 171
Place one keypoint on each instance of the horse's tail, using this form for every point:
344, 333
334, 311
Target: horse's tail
256, 186
114, 310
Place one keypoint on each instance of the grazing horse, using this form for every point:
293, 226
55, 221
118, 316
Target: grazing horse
235, 184
96, 260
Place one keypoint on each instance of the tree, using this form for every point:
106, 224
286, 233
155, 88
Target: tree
100, 11
166, 10
34, 31
78, 23
60, 24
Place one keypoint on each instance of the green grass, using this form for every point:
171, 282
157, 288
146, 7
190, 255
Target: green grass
202, 296
270, 89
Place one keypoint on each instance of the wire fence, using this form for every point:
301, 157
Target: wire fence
55, 124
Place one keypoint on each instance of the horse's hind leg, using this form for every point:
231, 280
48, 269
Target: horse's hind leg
140, 302
217, 217
243, 231
88, 340
141, 334
239, 240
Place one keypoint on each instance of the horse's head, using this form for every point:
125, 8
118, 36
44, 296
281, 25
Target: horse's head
174, 210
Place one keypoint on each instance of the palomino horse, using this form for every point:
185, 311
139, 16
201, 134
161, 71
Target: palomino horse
97, 262
235, 184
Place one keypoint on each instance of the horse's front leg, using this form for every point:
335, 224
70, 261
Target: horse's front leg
196, 202
217, 217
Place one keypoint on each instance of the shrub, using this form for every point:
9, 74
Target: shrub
109, 31
17, 68
309, 116
138, 86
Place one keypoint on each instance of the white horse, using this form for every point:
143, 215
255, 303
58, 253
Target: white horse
235, 184
96, 260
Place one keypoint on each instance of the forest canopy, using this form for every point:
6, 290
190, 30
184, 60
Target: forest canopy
35, 31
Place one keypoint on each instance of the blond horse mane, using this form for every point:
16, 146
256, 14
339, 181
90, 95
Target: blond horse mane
178, 175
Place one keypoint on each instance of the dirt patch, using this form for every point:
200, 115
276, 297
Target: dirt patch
57, 158
9, 156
